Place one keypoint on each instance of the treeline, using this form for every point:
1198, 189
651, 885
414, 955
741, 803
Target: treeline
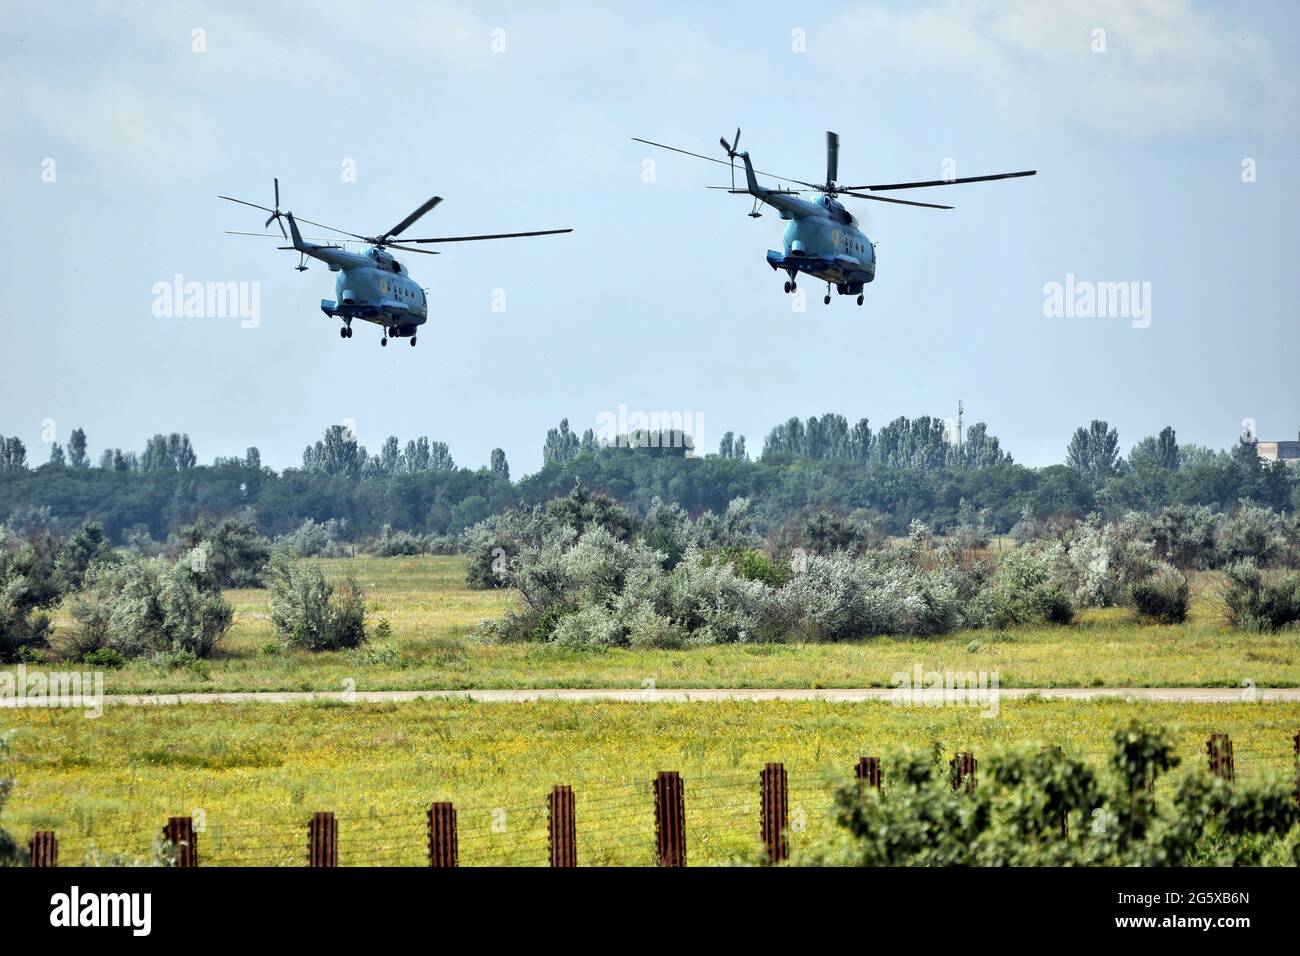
909, 469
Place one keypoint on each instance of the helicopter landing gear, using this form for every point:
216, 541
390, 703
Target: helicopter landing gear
345, 332
860, 298
384, 341
827, 299
412, 341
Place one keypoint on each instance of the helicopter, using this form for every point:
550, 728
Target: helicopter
823, 238
372, 285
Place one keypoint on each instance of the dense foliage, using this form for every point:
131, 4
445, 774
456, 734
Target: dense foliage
591, 574
1014, 817
30, 585
311, 612
909, 469
1260, 602
9, 853
153, 608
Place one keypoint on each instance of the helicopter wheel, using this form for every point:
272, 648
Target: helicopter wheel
827, 299
787, 288
384, 341
412, 341
860, 298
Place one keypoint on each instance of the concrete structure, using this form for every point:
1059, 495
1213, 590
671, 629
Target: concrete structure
1287, 451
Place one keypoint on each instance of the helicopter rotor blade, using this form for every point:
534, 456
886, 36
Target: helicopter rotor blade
271, 235
498, 235
244, 202
341, 232
409, 220
950, 182
318, 225
427, 252
780, 191
711, 159
832, 157
900, 202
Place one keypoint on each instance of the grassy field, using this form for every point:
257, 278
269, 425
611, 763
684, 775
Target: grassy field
432, 617
253, 773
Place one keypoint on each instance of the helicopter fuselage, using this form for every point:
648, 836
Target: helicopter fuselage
822, 238
371, 286
826, 243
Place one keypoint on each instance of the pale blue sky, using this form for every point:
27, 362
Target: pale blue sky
661, 299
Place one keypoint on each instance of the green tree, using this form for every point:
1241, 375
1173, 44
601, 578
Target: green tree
390, 456
310, 612
1159, 451
416, 457
499, 466
562, 445
1094, 451
88, 545
337, 453
440, 457
29, 586
77, 457
13, 454
230, 550
149, 607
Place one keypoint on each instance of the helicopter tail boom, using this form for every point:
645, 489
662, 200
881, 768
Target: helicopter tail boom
779, 198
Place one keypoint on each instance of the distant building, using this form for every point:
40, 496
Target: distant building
1287, 451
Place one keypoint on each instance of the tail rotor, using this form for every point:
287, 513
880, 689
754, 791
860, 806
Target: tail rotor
275, 213
732, 149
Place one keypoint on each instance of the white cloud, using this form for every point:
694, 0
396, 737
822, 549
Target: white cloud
1168, 68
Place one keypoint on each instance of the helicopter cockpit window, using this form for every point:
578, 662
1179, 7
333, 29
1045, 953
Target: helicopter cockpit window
396, 267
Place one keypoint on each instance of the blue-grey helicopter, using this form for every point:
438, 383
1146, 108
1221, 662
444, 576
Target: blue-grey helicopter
822, 238
371, 285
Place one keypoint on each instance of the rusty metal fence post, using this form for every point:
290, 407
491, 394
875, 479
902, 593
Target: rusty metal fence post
774, 812
43, 850
323, 839
179, 832
963, 766
444, 847
1219, 750
868, 773
562, 826
670, 818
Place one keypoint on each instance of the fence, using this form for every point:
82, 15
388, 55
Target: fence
708, 819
